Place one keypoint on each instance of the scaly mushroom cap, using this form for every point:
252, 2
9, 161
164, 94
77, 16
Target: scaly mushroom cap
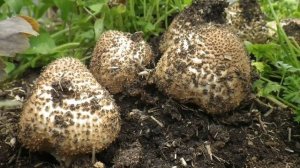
247, 19
200, 12
68, 113
118, 58
207, 66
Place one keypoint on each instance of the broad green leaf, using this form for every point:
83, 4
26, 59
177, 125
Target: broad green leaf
17, 5
260, 66
9, 67
96, 7
98, 27
66, 7
42, 44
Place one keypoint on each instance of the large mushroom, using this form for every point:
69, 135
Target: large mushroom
119, 60
68, 113
206, 65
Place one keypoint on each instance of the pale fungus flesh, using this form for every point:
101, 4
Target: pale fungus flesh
118, 58
207, 66
68, 113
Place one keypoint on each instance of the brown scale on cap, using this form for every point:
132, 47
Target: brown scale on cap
118, 59
200, 12
247, 19
68, 113
208, 66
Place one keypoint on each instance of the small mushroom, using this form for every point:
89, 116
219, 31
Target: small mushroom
119, 58
292, 28
68, 113
206, 65
247, 19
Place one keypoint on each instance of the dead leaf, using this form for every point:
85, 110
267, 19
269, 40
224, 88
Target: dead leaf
14, 34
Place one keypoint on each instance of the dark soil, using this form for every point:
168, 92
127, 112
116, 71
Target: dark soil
159, 132
165, 133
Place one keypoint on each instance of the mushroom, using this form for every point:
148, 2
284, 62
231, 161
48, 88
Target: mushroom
247, 19
200, 12
68, 113
120, 59
206, 65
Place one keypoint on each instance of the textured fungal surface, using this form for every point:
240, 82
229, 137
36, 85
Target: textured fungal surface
207, 66
200, 12
292, 28
118, 59
68, 112
247, 19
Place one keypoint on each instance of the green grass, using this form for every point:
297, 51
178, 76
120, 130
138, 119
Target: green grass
278, 62
71, 27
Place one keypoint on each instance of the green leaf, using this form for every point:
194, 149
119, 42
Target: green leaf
121, 9
98, 27
272, 87
41, 7
260, 66
96, 7
1, 2
9, 67
17, 5
286, 67
42, 44
65, 7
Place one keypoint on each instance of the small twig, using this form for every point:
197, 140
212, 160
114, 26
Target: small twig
93, 155
158, 122
261, 123
208, 148
268, 112
289, 150
10, 104
289, 134
220, 159
183, 162
262, 103
257, 114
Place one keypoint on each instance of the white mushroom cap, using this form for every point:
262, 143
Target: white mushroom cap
118, 58
208, 66
68, 112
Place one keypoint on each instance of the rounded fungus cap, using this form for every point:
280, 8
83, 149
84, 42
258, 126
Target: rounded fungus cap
118, 58
247, 19
68, 113
208, 66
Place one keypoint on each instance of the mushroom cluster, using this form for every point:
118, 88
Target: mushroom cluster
119, 58
68, 113
205, 64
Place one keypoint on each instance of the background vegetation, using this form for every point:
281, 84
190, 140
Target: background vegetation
278, 62
71, 28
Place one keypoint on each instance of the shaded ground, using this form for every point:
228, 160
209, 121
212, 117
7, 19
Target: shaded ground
166, 134
158, 132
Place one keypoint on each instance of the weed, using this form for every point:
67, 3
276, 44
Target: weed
71, 27
278, 64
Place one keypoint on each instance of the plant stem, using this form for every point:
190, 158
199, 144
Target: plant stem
66, 46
